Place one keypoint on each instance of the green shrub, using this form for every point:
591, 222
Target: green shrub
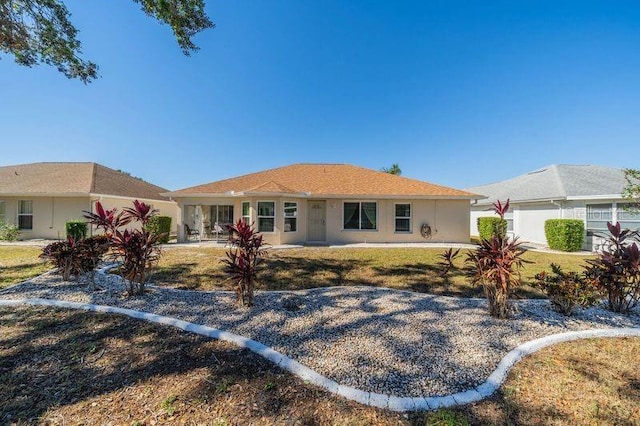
490, 226
76, 229
564, 234
566, 289
8, 232
160, 225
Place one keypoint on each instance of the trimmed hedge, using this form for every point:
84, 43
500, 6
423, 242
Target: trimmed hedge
76, 229
160, 225
564, 234
491, 225
8, 232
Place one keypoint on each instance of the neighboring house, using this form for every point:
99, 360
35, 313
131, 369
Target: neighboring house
41, 197
328, 203
586, 192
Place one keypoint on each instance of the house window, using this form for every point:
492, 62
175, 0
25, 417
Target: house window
360, 216
246, 212
597, 217
3, 212
290, 217
403, 217
225, 215
628, 216
25, 214
266, 216
508, 216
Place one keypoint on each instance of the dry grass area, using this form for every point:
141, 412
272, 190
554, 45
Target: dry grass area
70, 367
19, 263
401, 268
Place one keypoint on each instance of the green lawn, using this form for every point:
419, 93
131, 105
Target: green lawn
70, 367
401, 268
19, 263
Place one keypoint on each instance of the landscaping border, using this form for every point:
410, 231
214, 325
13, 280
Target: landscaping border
390, 402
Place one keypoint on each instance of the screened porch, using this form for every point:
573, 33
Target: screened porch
208, 222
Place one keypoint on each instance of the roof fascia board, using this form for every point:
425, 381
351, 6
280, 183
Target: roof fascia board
533, 201
325, 196
45, 194
122, 197
596, 197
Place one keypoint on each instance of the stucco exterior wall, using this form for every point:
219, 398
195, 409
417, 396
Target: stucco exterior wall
528, 219
475, 213
166, 208
50, 214
448, 219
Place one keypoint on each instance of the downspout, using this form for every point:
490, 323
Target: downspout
53, 213
435, 217
559, 205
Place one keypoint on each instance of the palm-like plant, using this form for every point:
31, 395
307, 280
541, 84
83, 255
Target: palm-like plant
501, 209
137, 249
496, 265
446, 261
246, 252
616, 270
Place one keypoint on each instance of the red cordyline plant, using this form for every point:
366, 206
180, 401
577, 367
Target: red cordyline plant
446, 261
501, 209
138, 249
616, 269
65, 256
496, 265
76, 257
246, 252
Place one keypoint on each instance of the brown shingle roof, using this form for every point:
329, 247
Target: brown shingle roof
325, 180
73, 179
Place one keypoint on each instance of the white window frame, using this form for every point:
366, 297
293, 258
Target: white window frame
409, 218
294, 217
621, 210
508, 216
3, 211
246, 218
359, 202
588, 218
25, 214
266, 217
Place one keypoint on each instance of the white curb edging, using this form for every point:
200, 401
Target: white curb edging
390, 402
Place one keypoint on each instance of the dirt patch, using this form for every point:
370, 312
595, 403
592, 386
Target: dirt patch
73, 367
59, 367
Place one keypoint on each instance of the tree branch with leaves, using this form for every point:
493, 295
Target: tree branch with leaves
631, 190
393, 170
39, 32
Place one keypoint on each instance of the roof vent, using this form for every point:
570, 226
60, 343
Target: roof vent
537, 171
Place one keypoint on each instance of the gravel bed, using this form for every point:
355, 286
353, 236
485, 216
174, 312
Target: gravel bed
374, 339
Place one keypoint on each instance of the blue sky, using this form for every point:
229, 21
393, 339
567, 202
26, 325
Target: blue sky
457, 93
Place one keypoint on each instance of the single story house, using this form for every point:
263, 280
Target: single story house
586, 192
41, 197
327, 204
